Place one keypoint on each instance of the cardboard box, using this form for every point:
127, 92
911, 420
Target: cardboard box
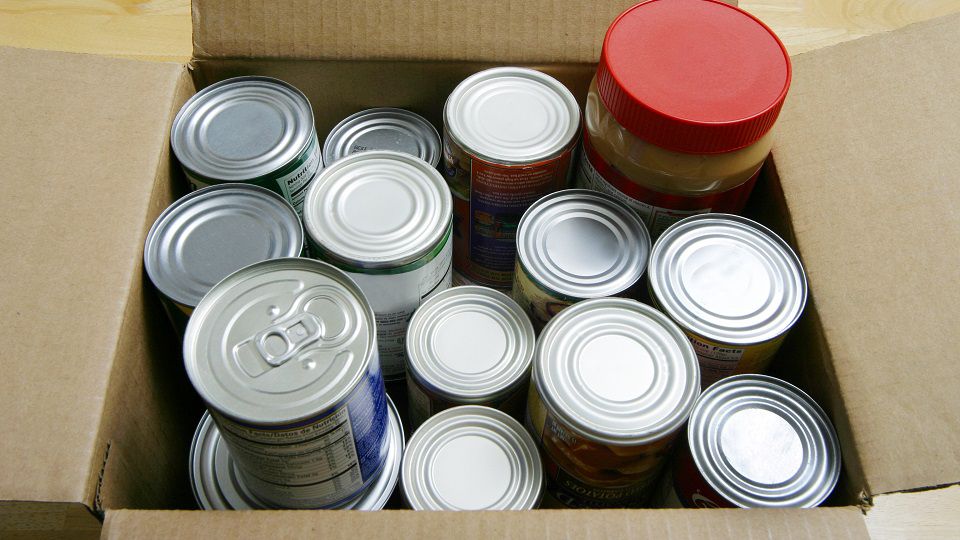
97, 413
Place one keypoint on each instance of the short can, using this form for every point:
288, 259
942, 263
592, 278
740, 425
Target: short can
468, 346
284, 353
254, 130
218, 485
613, 383
755, 442
573, 245
383, 217
732, 285
471, 458
383, 128
207, 235
509, 136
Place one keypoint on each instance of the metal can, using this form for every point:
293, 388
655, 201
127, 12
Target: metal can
457, 279
732, 285
573, 245
471, 458
206, 235
508, 139
218, 485
284, 353
468, 346
613, 383
384, 218
383, 128
755, 441
255, 130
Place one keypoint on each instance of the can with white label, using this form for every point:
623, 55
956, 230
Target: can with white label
384, 218
284, 353
254, 130
383, 128
732, 285
206, 235
573, 245
613, 383
508, 139
468, 346
218, 485
471, 458
755, 442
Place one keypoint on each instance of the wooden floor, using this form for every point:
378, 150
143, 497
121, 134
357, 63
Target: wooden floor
160, 30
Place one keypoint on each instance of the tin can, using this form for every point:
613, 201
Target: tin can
284, 353
468, 346
206, 235
573, 245
509, 136
383, 128
613, 383
471, 458
254, 130
218, 485
755, 441
384, 218
732, 285
457, 279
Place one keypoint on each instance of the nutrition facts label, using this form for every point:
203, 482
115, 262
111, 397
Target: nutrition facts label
716, 362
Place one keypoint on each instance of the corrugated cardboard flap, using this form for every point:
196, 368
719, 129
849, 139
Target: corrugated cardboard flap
868, 155
530, 31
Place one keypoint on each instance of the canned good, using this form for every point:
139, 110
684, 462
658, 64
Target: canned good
384, 218
468, 346
255, 130
471, 458
508, 139
613, 382
573, 245
732, 285
217, 484
383, 128
207, 235
284, 353
457, 279
756, 441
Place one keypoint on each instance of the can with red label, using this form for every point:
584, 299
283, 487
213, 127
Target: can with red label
508, 139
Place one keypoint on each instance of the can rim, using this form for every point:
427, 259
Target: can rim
336, 134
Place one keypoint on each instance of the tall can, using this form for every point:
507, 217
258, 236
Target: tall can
613, 384
384, 218
207, 235
383, 128
284, 353
253, 130
755, 442
508, 139
732, 285
468, 346
574, 245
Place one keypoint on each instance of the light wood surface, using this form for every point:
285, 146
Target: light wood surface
160, 30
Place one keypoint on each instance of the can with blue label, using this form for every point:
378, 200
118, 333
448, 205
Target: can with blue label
284, 353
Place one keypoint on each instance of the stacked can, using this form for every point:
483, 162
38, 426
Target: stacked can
284, 353
253, 130
384, 218
383, 128
573, 245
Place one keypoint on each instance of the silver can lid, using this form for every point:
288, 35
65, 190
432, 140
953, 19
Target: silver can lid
470, 344
512, 115
762, 442
582, 244
378, 209
383, 128
280, 341
210, 233
616, 371
218, 485
728, 279
242, 128
472, 458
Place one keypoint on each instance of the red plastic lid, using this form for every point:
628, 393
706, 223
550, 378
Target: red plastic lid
696, 76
